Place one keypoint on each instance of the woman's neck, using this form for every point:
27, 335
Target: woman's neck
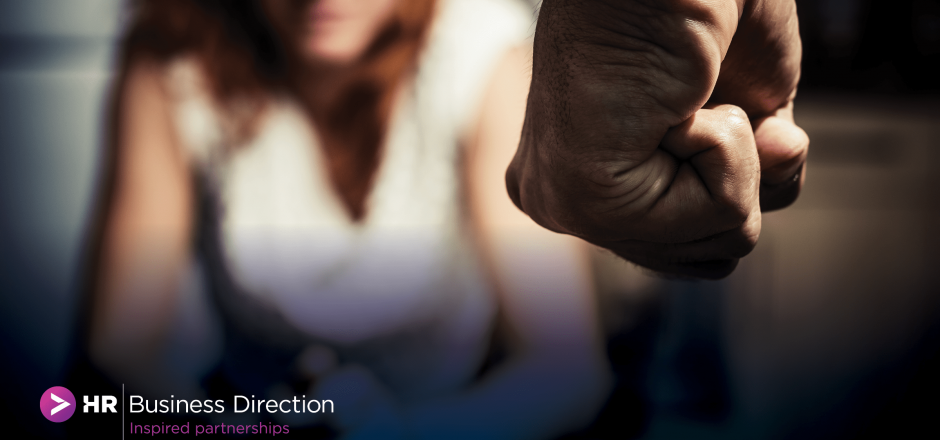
319, 84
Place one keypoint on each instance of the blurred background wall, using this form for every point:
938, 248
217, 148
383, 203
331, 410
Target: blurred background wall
55, 60
828, 330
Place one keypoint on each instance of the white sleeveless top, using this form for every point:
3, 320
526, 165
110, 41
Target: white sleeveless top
406, 274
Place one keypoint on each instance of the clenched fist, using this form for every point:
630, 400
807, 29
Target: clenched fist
660, 129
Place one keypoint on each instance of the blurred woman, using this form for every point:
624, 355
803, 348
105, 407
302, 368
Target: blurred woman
337, 166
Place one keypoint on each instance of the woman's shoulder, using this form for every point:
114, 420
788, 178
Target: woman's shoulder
511, 20
180, 77
195, 114
466, 42
177, 84
469, 29
185, 77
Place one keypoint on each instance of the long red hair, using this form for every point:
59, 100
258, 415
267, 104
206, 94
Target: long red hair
246, 57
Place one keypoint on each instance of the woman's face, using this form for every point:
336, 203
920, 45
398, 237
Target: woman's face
334, 31
340, 31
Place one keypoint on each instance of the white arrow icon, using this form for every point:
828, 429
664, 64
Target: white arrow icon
62, 403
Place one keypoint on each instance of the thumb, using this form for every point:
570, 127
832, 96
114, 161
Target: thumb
718, 146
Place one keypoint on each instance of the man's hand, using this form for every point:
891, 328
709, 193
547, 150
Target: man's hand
629, 141
760, 74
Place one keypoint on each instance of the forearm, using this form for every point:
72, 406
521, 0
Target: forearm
146, 238
135, 297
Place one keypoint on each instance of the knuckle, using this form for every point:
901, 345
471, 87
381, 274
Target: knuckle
741, 239
741, 213
743, 245
736, 123
736, 214
739, 128
731, 111
734, 111
731, 126
745, 238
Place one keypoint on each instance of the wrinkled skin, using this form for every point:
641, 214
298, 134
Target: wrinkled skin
660, 129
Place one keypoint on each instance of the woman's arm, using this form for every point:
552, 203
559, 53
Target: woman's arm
558, 376
146, 237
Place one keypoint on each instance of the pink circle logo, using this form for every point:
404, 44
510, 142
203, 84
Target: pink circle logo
57, 404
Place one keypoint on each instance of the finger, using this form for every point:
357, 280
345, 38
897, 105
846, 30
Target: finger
712, 258
773, 197
715, 188
762, 67
719, 144
782, 147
